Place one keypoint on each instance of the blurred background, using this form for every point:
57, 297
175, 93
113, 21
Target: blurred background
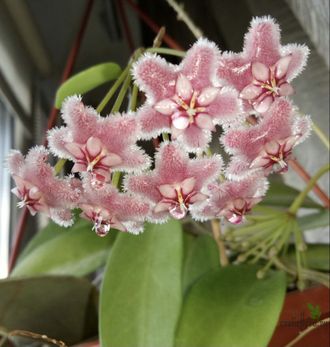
36, 37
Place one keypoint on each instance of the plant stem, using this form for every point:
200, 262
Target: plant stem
301, 197
113, 89
322, 136
216, 231
303, 333
166, 51
183, 16
59, 166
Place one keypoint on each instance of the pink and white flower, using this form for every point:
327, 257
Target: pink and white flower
264, 70
176, 183
232, 200
184, 100
97, 144
266, 146
38, 188
106, 208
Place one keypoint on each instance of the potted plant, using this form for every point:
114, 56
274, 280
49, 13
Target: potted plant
213, 253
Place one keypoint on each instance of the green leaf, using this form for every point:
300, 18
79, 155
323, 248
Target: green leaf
202, 255
141, 293
317, 256
74, 251
231, 307
314, 220
59, 307
87, 80
282, 195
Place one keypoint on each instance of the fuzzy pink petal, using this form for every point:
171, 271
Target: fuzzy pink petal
79, 118
161, 207
155, 77
204, 121
262, 42
226, 107
195, 139
15, 162
299, 55
152, 122
62, 217
133, 159
57, 139
205, 170
144, 185
171, 162
263, 105
75, 150
199, 63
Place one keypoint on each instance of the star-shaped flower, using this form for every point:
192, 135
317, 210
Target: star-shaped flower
183, 99
106, 208
268, 145
38, 188
231, 199
97, 144
264, 70
176, 183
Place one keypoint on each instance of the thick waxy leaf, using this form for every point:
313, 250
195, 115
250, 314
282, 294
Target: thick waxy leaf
59, 307
317, 256
87, 80
231, 307
282, 195
141, 292
202, 255
314, 220
74, 251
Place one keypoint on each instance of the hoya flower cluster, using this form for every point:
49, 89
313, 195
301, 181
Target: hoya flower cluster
245, 93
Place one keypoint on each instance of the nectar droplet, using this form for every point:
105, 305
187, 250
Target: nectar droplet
179, 211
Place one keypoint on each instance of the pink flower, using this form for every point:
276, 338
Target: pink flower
97, 144
38, 188
231, 199
264, 70
268, 145
176, 183
107, 208
183, 100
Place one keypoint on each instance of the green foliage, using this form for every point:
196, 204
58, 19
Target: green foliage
202, 255
87, 80
314, 220
75, 251
60, 307
281, 195
141, 292
231, 307
316, 257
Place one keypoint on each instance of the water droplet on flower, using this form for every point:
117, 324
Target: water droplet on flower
179, 211
235, 218
101, 229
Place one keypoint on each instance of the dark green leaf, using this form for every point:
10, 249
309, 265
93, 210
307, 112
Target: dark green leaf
55, 306
202, 255
317, 256
314, 220
282, 195
87, 80
231, 307
141, 292
74, 251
